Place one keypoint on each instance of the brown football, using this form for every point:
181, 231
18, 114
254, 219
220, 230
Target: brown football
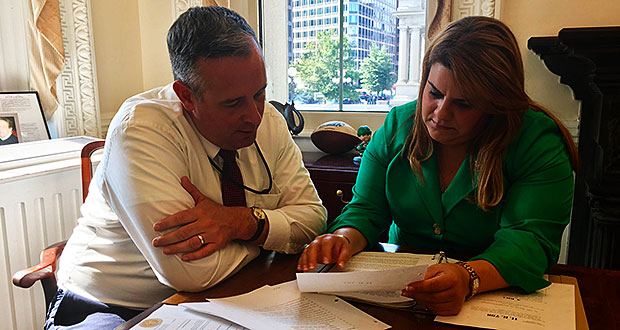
335, 137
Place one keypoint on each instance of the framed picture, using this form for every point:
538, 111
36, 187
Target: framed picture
21, 118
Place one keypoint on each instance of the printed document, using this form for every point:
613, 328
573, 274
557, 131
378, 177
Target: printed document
284, 307
550, 308
372, 277
369, 271
177, 317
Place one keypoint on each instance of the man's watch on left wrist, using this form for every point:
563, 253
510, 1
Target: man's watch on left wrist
260, 217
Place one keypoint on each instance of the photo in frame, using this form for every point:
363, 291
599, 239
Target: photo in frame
21, 118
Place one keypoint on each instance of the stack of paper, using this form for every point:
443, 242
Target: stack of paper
284, 307
168, 317
371, 277
550, 308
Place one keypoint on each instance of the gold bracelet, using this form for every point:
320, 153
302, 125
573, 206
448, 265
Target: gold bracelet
474, 280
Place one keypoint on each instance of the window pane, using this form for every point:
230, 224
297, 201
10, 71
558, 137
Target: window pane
371, 79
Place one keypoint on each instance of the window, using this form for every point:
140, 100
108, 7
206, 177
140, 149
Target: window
320, 83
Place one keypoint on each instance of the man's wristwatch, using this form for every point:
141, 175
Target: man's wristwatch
474, 280
260, 217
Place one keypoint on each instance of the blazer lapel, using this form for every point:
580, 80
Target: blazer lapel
461, 186
430, 191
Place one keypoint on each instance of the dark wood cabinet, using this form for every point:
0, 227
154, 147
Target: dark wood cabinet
586, 59
330, 174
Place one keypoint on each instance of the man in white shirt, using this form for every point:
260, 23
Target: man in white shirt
154, 221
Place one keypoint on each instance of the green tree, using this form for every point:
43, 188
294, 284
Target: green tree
318, 67
377, 71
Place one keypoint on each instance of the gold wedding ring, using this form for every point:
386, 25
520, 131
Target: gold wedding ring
202, 240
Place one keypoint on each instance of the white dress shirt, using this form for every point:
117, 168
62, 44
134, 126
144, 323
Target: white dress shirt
150, 145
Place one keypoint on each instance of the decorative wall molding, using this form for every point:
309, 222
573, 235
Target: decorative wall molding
464, 8
180, 6
78, 94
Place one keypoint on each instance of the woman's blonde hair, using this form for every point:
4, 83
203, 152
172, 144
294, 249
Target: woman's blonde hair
484, 58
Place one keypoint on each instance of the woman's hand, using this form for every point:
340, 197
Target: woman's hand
443, 289
326, 249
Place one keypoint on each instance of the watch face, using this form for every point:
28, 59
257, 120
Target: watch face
258, 213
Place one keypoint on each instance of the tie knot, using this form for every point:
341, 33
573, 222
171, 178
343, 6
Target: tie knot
228, 155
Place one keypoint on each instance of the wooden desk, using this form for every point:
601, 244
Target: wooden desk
600, 291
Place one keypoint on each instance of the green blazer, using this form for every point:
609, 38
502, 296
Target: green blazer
521, 236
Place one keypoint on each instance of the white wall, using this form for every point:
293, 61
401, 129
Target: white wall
131, 54
529, 18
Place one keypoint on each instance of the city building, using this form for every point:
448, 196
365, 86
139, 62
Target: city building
366, 23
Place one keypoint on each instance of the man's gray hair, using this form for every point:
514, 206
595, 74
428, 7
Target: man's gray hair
206, 32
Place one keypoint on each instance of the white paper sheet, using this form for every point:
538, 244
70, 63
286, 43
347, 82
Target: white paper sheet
390, 280
284, 307
372, 261
364, 261
381, 298
179, 318
550, 308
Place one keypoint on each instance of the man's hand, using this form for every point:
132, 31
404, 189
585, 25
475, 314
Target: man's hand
443, 289
216, 224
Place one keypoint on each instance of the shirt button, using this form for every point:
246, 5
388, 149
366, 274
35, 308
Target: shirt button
436, 229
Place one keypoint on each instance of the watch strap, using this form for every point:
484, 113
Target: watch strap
259, 227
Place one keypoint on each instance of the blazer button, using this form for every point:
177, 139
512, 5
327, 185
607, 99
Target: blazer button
436, 229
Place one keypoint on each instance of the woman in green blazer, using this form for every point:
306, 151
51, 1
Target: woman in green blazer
473, 167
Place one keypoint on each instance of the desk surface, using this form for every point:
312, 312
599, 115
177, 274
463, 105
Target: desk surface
600, 292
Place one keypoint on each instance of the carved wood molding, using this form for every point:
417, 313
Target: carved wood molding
586, 59
78, 92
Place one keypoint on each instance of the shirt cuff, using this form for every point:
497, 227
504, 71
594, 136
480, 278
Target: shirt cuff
279, 235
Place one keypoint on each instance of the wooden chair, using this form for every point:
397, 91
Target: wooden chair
45, 270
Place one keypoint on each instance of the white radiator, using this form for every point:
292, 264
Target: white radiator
40, 197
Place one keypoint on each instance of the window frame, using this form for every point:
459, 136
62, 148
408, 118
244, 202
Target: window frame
277, 61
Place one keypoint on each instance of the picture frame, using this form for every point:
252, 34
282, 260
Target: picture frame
22, 118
